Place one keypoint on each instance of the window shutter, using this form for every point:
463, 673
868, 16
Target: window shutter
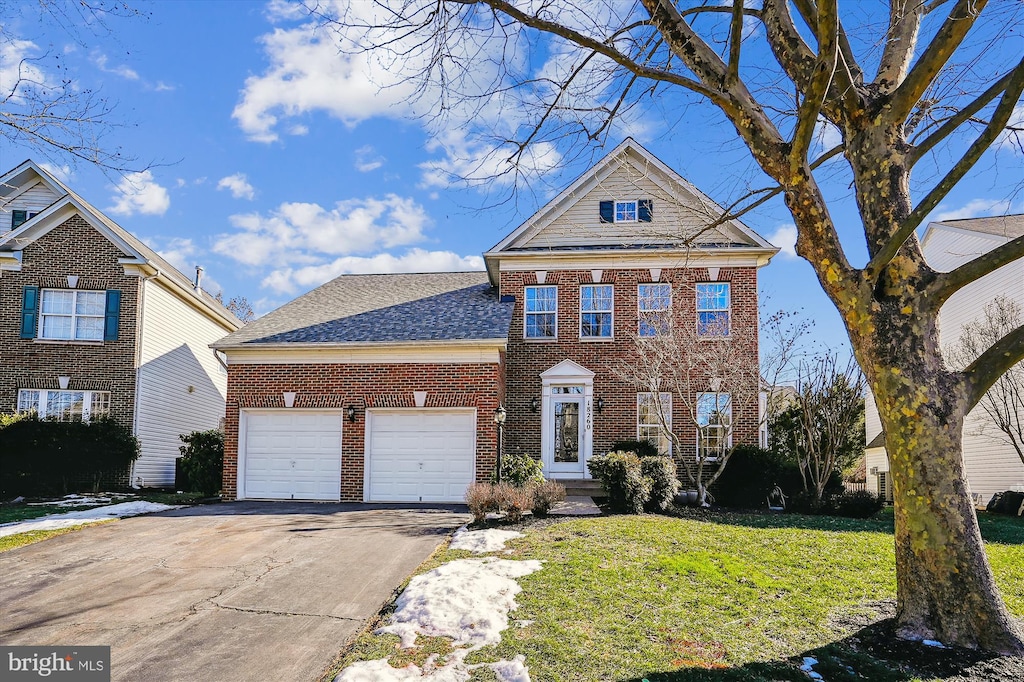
607, 211
17, 218
113, 313
29, 312
645, 209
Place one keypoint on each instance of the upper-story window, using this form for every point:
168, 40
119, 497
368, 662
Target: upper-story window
627, 211
67, 314
70, 314
713, 307
654, 307
18, 217
596, 309
65, 406
541, 308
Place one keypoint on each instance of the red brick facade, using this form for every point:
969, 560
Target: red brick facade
365, 386
526, 359
73, 248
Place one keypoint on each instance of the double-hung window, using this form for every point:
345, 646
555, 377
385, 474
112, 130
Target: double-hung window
713, 306
65, 406
714, 425
541, 307
649, 424
72, 315
654, 302
596, 310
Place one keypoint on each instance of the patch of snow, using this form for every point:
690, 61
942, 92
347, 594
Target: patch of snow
934, 643
808, 667
467, 600
75, 500
482, 541
79, 518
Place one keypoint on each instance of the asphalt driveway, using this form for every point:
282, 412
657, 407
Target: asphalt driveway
236, 591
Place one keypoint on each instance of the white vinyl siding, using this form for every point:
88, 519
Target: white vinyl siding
672, 219
991, 464
32, 201
181, 384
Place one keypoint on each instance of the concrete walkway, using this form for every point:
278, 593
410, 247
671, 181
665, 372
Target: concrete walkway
237, 591
576, 506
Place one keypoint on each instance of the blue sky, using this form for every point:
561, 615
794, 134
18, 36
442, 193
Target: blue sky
279, 163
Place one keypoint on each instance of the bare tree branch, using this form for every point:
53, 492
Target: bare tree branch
948, 283
904, 25
821, 82
980, 375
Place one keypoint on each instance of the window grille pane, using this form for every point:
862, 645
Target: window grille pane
58, 302
625, 211
56, 327
64, 406
28, 401
99, 406
89, 328
90, 303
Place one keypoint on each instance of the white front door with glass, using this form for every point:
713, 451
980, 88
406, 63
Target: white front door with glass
567, 426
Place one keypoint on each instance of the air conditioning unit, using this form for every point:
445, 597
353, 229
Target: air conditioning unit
873, 471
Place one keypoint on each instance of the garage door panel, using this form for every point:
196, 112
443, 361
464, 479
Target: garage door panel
421, 455
293, 455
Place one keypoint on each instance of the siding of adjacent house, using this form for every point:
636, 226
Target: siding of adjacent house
992, 465
181, 384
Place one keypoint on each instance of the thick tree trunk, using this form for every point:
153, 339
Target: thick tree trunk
945, 588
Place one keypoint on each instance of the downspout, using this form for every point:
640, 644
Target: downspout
139, 327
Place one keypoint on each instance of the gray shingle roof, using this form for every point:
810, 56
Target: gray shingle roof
440, 306
1009, 226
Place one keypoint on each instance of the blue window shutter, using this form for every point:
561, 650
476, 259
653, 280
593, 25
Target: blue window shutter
645, 209
29, 312
607, 212
113, 314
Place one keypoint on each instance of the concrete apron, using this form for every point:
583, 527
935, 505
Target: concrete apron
237, 591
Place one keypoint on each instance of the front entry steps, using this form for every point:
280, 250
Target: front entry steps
581, 487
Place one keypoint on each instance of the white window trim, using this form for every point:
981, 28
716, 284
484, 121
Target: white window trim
727, 428
526, 313
610, 311
666, 406
640, 311
74, 316
87, 397
727, 310
636, 210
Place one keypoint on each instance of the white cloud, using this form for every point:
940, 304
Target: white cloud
367, 159
473, 162
140, 193
785, 238
239, 186
62, 173
18, 71
101, 61
163, 87
299, 232
1013, 140
289, 280
178, 251
827, 135
972, 209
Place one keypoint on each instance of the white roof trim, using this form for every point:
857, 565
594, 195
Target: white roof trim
566, 369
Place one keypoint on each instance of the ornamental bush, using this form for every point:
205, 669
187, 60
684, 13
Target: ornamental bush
621, 477
45, 457
519, 469
660, 470
640, 448
545, 496
202, 460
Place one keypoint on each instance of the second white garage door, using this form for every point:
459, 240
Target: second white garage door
292, 455
420, 455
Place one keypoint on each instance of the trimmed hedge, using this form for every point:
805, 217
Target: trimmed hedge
202, 461
519, 469
43, 457
636, 483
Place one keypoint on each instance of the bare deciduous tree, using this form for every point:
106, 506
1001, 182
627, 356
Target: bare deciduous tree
1004, 402
924, 82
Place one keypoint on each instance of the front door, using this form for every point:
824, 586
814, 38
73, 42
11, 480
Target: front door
566, 433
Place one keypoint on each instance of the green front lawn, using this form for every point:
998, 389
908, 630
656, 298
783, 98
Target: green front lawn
634, 597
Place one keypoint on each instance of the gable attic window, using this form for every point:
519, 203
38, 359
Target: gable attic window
629, 211
19, 217
70, 314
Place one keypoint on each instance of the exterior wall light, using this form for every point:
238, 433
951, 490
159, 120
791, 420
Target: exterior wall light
599, 404
351, 412
534, 404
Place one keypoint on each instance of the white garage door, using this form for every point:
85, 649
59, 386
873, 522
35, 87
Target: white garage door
420, 455
292, 455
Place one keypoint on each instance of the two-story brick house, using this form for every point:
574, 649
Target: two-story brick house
94, 323
384, 388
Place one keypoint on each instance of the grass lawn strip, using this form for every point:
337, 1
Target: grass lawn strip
451, 611
22, 539
82, 517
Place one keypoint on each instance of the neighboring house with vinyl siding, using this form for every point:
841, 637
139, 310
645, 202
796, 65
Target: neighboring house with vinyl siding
383, 388
95, 323
990, 462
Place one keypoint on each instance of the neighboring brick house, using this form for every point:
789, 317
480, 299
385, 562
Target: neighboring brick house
990, 461
383, 388
94, 323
